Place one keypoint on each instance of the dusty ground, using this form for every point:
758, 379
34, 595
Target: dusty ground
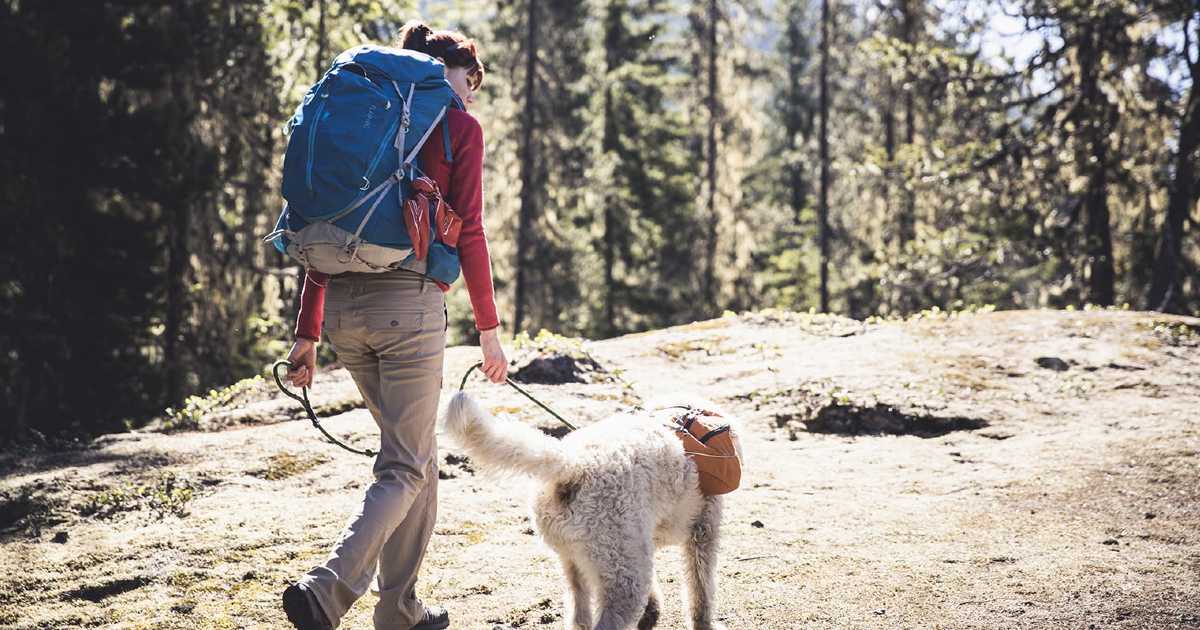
1004, 493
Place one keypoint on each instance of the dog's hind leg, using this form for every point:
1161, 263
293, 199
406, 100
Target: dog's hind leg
625, 569
578, 602
700, 567
650, 614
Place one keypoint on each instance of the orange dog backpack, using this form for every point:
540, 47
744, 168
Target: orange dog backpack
713, 446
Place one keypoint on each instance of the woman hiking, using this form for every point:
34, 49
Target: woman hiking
389, 331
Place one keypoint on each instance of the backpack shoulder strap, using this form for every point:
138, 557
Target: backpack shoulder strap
446, 140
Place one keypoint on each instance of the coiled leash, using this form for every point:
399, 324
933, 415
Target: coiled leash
308, 408
523, 393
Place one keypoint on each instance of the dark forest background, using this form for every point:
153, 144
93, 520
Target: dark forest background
649, 163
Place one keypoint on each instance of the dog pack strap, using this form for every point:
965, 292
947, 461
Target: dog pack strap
714, 432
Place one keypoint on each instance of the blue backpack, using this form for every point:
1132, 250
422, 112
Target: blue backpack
351, 159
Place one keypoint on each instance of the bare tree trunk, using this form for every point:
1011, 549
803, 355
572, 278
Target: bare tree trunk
908, 219
823, 203
528, 166
1097, 116
177, 216
710, 292
1166, 287
889, 147
794, 123
610, 145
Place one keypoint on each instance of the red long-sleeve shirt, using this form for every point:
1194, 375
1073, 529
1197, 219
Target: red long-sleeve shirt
461, 183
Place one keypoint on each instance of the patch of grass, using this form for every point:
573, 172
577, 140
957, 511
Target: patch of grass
710, 346
284, 465
934, 313
166, 494
334, 408
195, 408
968, 372
1174, 334
709, 324
184, 580
546, 342
812, 322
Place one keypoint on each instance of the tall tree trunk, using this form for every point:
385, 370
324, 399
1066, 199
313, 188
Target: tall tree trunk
1166, 287
794, 122
610, 145
823, 141
889, 148
908, 219
710, 293
1097, 117
610, 224
528, 166
177, 215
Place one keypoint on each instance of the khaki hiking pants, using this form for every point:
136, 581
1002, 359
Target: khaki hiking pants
389, 331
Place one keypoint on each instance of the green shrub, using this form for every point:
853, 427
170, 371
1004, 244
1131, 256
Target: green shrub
168, 493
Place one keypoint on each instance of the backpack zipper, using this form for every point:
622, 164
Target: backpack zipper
312, 140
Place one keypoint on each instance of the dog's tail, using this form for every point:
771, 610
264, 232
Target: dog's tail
502, 446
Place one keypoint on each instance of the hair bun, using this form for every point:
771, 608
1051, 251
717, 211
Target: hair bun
414, 35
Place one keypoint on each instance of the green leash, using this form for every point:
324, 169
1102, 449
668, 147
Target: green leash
523, 393
312, 416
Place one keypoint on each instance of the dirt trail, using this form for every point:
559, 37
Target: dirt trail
1034, 469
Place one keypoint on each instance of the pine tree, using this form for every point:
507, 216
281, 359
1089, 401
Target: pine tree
1167, 291
647, 231
823, 139
551, 155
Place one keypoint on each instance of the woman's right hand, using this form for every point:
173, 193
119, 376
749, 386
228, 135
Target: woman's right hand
495, 365
303, 358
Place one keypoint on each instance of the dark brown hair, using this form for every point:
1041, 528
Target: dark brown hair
454, 48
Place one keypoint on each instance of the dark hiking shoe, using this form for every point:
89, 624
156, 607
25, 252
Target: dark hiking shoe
436, 618
303, 610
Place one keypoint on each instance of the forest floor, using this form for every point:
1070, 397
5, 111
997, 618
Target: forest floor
1033, 469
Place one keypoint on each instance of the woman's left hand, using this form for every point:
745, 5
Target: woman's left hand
495, 365
303, 358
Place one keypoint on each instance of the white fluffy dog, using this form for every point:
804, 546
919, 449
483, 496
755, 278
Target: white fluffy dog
610, 494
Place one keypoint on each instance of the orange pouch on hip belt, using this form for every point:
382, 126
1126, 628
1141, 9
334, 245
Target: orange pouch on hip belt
714, 449
447, 223
416, 220
428, 204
